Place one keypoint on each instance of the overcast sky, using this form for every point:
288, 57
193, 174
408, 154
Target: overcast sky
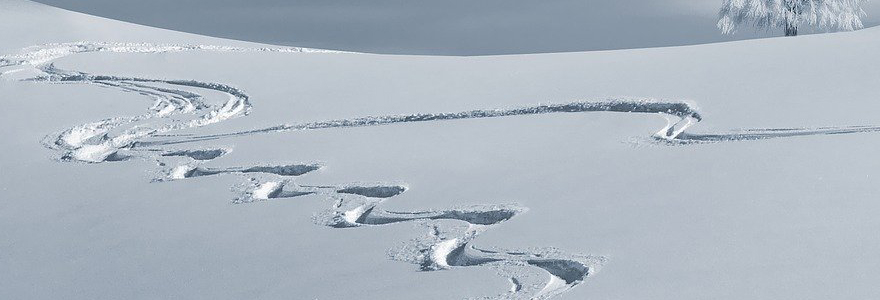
450, 27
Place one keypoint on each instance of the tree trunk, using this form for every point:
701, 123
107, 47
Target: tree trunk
790, 30
791, 17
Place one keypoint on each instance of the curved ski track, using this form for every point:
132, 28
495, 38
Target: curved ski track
177, 104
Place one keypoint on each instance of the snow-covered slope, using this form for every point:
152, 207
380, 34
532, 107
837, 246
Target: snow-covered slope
724, 171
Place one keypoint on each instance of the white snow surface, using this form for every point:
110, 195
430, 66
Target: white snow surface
264, 191
762, 184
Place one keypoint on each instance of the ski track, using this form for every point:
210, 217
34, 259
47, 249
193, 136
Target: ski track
197, 154
539, 273
686, 115
190, 171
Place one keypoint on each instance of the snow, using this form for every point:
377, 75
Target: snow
741, 198
180, 172
93, 153
554, 285
442, 251
265, 190
351, 216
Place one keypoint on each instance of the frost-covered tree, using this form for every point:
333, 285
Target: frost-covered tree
789, 14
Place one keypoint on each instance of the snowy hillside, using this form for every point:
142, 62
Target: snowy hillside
449, 27
143, 163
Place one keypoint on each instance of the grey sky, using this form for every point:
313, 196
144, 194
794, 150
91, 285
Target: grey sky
451, 27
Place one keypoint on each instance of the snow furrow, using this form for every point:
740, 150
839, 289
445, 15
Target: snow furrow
771, 133
680, 116
174, 109
197, 154
106, 140
446, 247
189, 171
